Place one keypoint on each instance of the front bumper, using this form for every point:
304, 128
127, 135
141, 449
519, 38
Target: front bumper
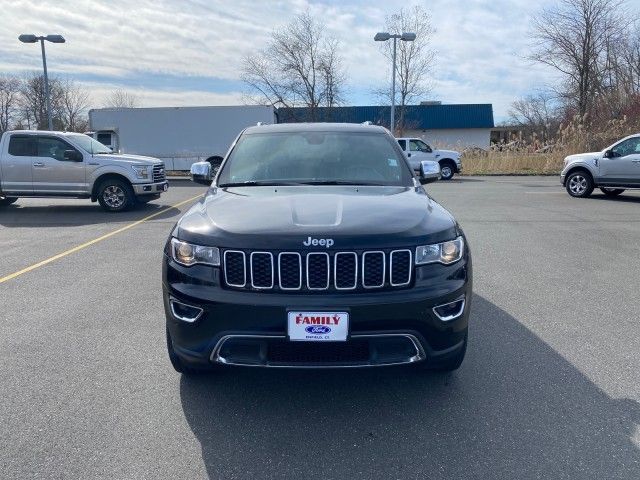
150, 188
250, 328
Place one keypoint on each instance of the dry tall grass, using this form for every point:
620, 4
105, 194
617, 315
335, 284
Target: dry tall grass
513, 163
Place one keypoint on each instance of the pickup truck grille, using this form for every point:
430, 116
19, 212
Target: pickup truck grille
317, 271
159, 173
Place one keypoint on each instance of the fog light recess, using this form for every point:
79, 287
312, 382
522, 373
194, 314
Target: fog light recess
450, 311
184, 312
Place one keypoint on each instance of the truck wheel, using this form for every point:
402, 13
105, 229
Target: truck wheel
116, 195
5, 201
612, 192
447, 170
177, 364
579, 184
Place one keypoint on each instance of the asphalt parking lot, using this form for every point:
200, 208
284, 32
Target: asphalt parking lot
550, 387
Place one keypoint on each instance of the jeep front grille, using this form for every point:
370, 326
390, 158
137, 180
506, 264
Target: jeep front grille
317, 271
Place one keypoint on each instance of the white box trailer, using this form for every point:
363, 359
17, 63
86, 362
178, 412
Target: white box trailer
179, 136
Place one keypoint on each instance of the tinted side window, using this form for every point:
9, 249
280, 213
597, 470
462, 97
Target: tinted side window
419, 146
627, 147
52, 147
403, 144
22, 146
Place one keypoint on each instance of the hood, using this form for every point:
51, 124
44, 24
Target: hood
131, 159
581, 157
278, 218
448, 153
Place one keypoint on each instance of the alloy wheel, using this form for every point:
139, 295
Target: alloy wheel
114, 196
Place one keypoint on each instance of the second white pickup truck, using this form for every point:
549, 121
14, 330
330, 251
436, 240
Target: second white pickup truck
73, 165
417, 150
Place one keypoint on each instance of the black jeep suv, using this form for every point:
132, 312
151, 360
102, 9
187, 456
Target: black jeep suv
315, 246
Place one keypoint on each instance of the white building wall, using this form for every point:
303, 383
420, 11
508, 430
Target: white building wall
455, 139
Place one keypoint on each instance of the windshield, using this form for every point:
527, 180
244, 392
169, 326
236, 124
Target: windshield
344, 158
90, 145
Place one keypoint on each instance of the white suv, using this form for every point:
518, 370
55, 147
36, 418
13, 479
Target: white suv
417, 150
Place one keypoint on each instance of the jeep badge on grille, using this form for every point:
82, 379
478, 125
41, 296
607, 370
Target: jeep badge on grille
323, 242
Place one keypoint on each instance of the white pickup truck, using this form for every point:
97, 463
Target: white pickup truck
612, 170
73, 165
417, 150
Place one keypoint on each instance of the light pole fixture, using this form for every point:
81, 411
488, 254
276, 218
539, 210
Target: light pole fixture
30, 38
383, 37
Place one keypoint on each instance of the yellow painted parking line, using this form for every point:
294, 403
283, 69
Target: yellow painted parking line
94, 241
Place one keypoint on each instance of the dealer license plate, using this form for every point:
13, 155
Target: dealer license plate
318, 326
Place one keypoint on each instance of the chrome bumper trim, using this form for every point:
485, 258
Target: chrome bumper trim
420, 353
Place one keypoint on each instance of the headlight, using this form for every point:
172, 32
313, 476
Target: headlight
188, 254
142, 171
445, 252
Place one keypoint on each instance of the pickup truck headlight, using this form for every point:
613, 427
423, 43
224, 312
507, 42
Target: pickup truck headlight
445, 252
188, 254
142, 171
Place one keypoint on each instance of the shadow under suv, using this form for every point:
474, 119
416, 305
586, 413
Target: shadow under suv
315, 246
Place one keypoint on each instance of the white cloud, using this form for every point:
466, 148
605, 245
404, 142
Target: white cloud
165, 98
481, 44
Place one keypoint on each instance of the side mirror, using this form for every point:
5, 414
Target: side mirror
215, 163
72, 156
201, 173
429, 172
608, 154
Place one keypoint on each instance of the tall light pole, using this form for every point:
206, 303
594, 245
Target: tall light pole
383, 37
30, 38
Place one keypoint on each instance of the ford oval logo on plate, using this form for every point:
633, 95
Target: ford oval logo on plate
317, 329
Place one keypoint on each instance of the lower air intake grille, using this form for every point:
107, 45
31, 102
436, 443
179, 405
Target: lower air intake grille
311, 353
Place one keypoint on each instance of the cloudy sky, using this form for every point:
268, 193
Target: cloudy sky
189, 52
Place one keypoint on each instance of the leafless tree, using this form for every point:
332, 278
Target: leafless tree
74, 102
536, 114
414, 59
574, 38
9, 98
299, 67
33, 106
122, 99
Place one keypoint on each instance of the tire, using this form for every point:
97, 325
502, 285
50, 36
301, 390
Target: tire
612, 192
178, 364
116, 195
579, 184
447, 170
6, 201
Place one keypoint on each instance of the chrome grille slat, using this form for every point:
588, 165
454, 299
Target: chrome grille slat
365, 273
406, 257
336, 271
260, 270
240, 256
282, 273
318, 270
337, 277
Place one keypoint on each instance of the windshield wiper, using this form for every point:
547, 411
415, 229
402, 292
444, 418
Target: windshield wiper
341, 182
257, 183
